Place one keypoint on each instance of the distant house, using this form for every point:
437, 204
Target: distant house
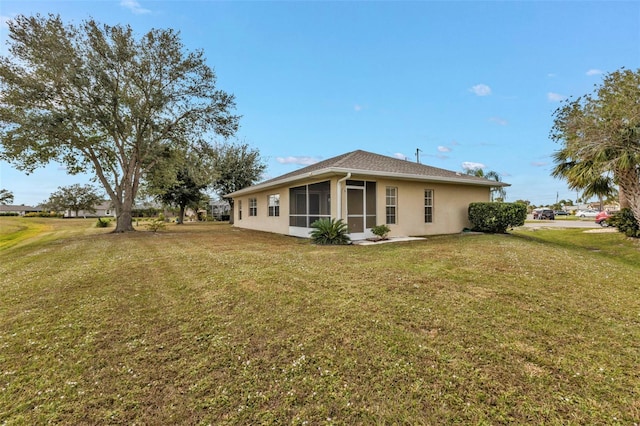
19, 210
104, 209
220, 209
364, 189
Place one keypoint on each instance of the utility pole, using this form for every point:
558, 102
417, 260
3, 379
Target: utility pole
418, 155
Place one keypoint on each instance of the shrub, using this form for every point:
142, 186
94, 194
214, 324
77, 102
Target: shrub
496, 217
43, 214
329, 231
156, 225
381, 231
103, 223
626, 223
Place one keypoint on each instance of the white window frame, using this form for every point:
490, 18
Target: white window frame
253, 207
428, 205
391, 202
274, 205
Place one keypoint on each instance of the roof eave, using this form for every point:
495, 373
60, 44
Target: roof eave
330, 171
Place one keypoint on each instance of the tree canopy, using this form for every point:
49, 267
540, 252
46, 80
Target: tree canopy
6, 196
237, 167
600, 137
74, 198
96, 98
498, 193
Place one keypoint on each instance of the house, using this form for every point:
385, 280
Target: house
364, 189
103, 209
18, 210
220, 209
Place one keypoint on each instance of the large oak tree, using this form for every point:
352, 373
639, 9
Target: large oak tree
97, 98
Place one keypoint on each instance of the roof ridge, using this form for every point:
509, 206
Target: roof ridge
346, 157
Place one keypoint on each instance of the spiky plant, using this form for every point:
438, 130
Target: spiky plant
330, 232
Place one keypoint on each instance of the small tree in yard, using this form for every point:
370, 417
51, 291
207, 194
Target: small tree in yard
236, 167
185, 192
74, 198
97, 98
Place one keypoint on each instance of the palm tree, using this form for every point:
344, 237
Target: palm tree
491, 175
585, 176
601, 138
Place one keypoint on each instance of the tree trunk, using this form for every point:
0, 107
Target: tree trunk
124, 218
629, 182
622, 199
231, 212
124, 222
180, 219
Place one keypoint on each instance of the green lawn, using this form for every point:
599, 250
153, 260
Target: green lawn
205, 323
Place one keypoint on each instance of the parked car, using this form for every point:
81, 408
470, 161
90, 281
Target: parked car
561, 213
602, 218
586, 213
544, 214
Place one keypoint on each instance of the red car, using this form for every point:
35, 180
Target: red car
602, 218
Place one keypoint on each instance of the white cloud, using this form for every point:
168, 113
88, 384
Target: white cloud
300, 160
594, 71
481, 90
400, 155
470, 165
357, 108
539, 163
555, 97
552, 75
134, 7
444, 149
498, 120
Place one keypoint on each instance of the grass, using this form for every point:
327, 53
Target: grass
205, 323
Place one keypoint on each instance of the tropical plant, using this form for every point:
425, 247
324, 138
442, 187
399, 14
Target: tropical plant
330, 232
498, 193
600, 137
625, 222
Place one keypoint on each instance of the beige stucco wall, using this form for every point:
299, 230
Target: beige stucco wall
450, 207
451, 203
278, 224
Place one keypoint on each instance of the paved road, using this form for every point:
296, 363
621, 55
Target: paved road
560, 223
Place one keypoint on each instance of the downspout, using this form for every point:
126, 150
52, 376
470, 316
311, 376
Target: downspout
339, 189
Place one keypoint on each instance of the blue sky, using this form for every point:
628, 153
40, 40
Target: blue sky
466, 83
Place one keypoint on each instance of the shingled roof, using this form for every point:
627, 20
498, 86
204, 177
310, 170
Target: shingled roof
370, 164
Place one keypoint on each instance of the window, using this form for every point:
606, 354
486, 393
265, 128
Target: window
428, 205
239, 209
309, 203
391, 204
274, 205
253, 207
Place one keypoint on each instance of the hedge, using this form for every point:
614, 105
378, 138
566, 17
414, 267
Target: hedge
496, 217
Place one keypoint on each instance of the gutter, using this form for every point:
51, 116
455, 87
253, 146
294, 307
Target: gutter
339, 195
